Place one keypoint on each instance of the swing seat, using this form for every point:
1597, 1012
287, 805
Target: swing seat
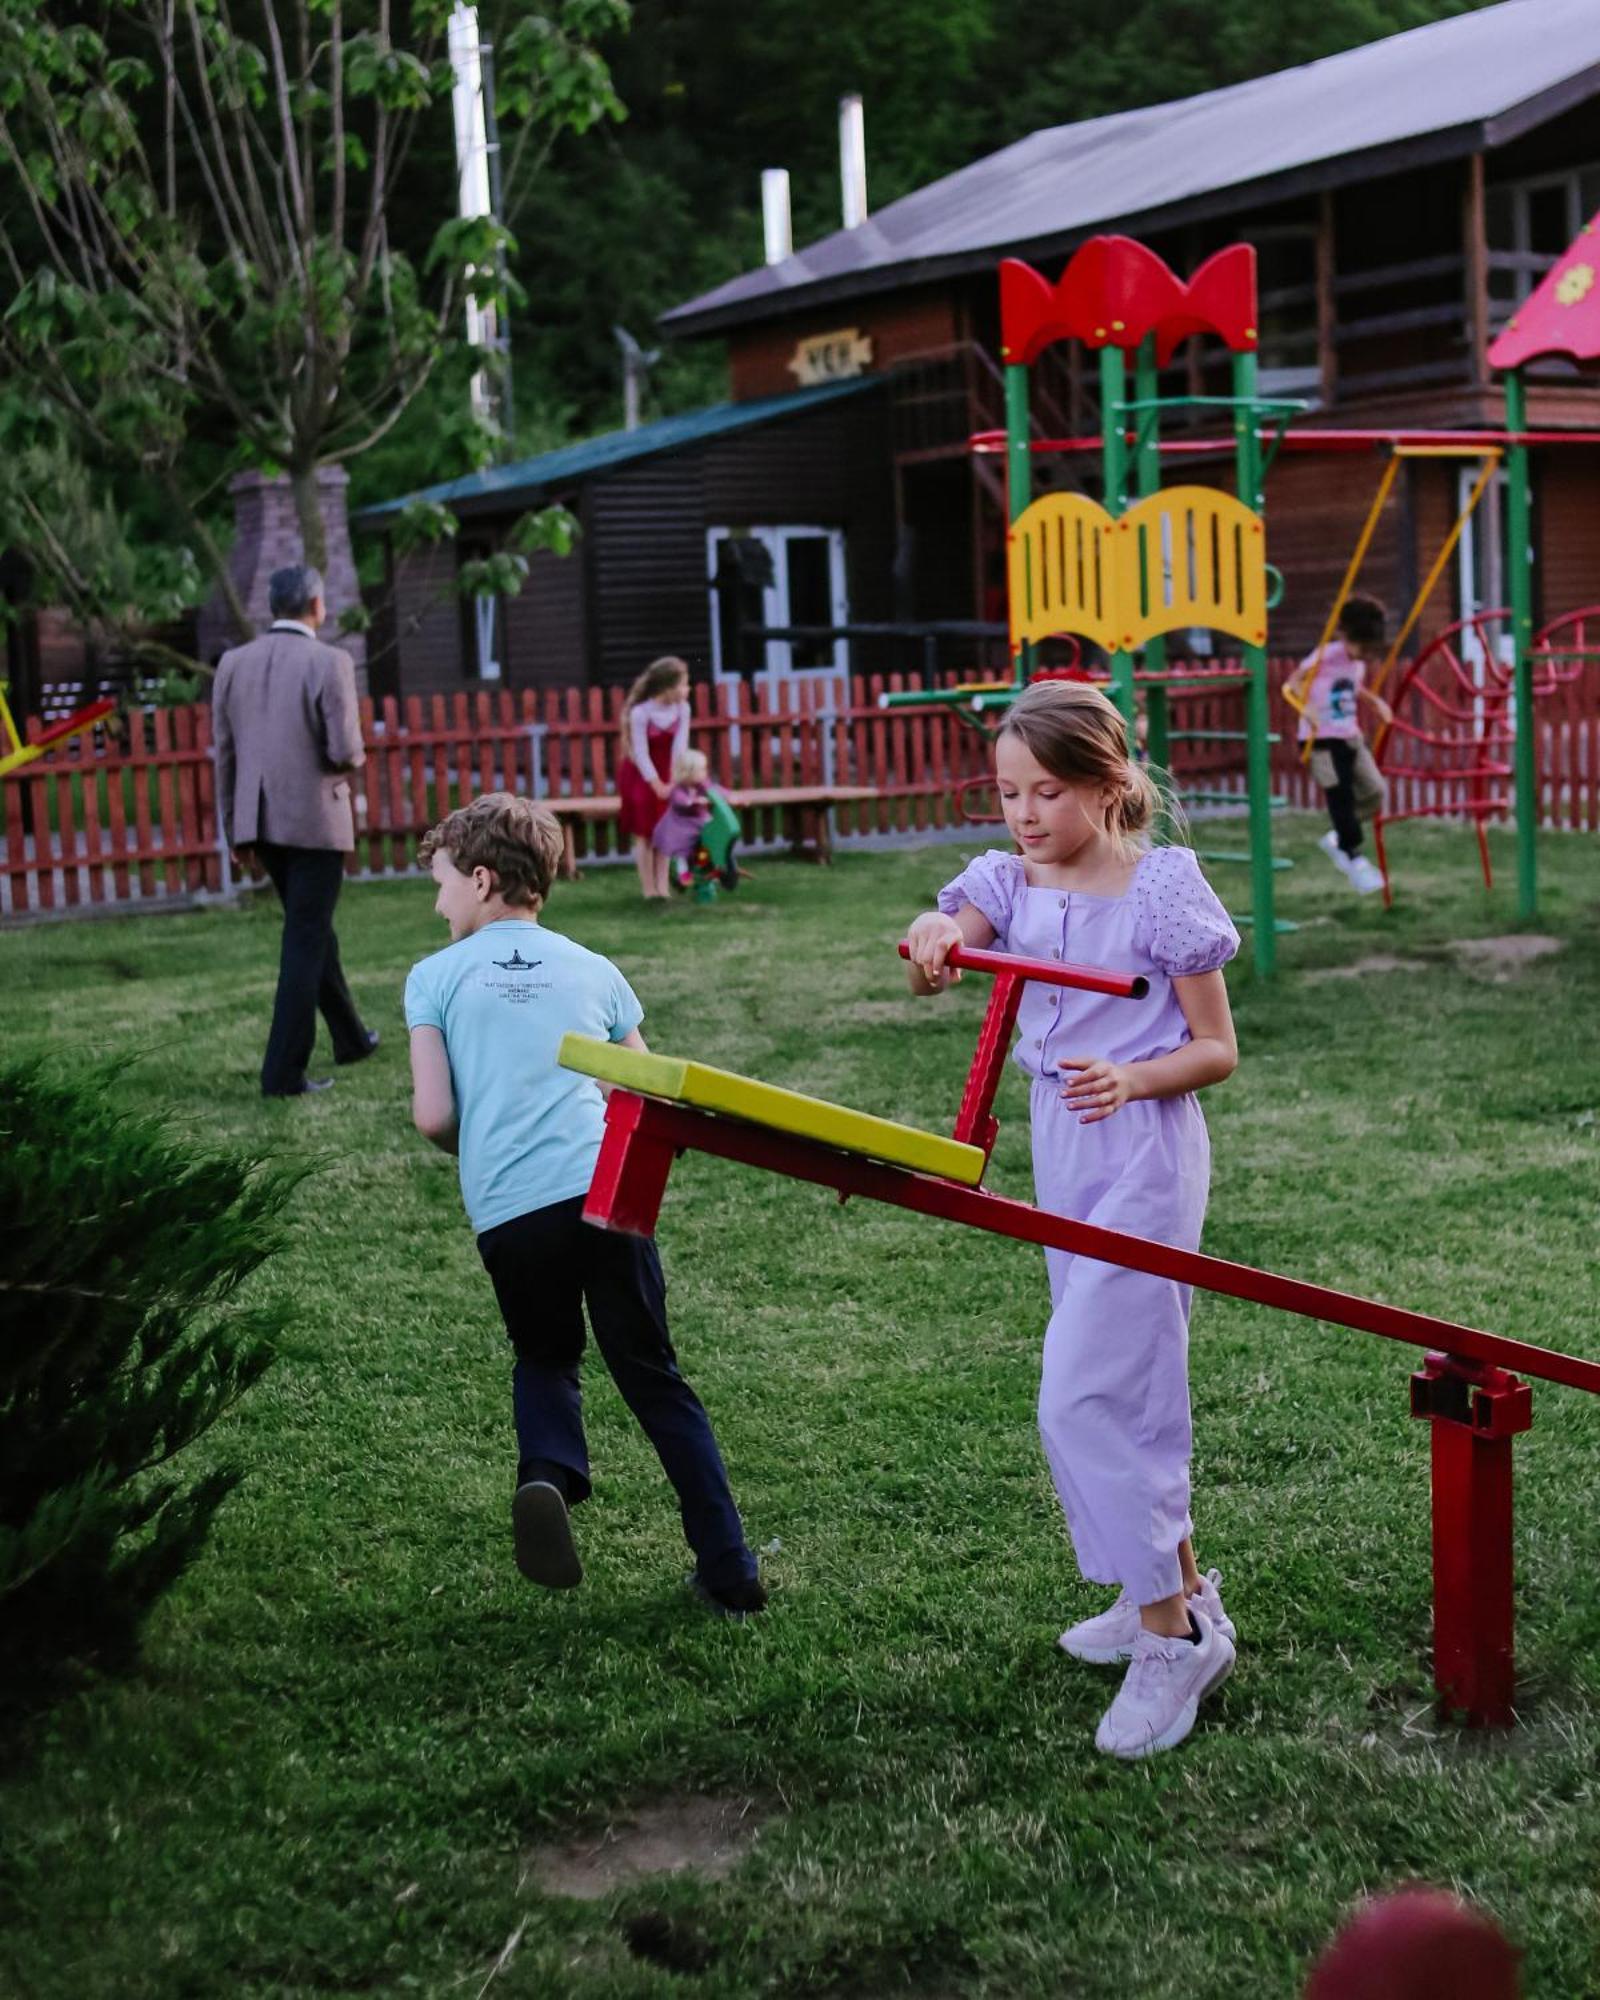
703, 1088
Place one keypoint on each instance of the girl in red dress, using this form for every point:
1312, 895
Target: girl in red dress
655, 732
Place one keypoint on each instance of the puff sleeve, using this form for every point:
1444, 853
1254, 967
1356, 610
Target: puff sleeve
1186, 930
990, 884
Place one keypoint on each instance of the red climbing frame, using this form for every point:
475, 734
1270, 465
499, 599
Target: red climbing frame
1465, 1387
1454, 733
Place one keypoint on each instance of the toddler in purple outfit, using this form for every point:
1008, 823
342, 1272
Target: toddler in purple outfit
1118, 1140
677, 832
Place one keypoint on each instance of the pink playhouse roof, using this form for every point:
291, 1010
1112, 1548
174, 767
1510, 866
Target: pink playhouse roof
1562, 314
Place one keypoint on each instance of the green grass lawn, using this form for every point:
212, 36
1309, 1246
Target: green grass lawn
357, 1728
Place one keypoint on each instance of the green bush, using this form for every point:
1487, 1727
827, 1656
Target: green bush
121, 1341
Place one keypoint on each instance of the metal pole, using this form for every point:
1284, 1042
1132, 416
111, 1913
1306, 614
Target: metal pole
1258, 751
1476, 1410
1519, 574
1114, 467
1147, 480
497, 207
1019, 483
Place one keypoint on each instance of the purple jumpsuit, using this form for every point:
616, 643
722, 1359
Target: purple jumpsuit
1114, 1394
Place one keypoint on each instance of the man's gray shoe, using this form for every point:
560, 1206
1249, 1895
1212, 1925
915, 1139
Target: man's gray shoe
542, 1531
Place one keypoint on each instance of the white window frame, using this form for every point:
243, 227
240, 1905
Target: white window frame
779, 663
1526, 265
1485, 530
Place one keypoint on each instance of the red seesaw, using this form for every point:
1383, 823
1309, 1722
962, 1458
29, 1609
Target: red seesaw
1465, 1387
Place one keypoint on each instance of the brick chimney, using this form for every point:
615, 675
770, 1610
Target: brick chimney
267, 537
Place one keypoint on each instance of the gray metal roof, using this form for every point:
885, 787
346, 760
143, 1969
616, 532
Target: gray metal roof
498, 487
1455, 87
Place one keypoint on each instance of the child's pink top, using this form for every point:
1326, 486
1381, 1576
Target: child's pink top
1332, 700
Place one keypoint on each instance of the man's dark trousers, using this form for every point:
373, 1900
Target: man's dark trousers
310, 976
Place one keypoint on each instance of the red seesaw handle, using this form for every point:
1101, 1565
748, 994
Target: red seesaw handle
1047, 971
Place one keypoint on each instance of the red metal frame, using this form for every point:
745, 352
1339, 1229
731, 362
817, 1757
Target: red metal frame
1043, 971
618, 1199
1475, 1411
1465, 1388
991, 443
975, 1123
1459, 735
1475, 1403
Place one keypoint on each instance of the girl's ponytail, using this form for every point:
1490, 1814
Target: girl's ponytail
1138, 802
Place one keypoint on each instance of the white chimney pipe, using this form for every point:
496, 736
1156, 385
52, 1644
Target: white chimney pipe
853, 161
776, 228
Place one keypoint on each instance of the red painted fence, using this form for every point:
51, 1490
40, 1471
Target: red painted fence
104, 820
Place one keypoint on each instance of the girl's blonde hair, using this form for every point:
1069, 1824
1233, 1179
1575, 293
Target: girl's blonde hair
658, 679
690, 767
1077, 735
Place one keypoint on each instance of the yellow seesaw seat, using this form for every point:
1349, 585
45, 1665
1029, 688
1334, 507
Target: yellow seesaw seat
706, 1089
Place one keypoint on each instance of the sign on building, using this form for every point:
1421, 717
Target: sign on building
831, 357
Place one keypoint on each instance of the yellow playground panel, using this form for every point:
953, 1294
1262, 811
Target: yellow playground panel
720, 1090
1188, 555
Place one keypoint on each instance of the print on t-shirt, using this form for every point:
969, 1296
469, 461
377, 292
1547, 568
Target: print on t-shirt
519, 984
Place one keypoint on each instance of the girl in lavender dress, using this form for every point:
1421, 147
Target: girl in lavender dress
1118, 1140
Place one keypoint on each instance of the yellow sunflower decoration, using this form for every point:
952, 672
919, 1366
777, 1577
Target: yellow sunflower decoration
1574, 284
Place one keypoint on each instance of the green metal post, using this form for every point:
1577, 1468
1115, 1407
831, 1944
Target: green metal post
1519, 572
1147, 480
1114, 460
1258, 752
1019, 478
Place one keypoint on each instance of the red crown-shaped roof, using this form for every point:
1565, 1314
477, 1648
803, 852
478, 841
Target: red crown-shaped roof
1562, 313
1115, 291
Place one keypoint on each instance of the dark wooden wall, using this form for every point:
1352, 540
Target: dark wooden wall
920, 320
635, 586
645, 527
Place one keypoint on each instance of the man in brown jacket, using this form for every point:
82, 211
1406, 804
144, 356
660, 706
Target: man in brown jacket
288, 734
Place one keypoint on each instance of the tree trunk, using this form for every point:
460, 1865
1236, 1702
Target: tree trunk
238, 616
308, 510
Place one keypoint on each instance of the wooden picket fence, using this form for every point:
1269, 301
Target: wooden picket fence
131, 818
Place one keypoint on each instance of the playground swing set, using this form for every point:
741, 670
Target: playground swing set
17, 749
1146, 561
1468, 1387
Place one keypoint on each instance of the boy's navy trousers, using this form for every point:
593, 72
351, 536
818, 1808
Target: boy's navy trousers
548, 1265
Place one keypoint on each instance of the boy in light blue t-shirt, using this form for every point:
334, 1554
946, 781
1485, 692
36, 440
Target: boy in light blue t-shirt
486, 1017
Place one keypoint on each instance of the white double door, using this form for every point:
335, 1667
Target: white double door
777, 576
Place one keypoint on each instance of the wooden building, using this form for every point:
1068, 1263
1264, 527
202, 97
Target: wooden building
783, 501
1402, 197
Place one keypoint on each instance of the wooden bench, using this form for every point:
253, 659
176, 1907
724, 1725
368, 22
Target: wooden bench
807, 815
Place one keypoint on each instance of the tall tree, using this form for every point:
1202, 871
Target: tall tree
197, 224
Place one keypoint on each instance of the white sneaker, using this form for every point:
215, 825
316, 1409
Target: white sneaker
1364, 878
1109, 1636
1329, 843
1209, 1599
1166, 1681
1106, 1637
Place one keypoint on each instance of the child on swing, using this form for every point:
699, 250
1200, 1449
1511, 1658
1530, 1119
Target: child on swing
1118, 1140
